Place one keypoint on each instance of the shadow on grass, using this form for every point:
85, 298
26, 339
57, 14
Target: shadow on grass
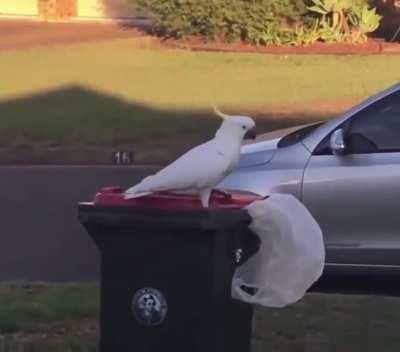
316, 323
70, 344
27, 307
75, 114
44, 317
76, 118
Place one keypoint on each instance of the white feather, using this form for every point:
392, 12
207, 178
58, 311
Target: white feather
201, 168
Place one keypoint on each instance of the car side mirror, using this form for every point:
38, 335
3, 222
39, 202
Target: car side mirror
337, 143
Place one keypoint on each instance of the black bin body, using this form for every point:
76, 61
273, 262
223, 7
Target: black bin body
166, 278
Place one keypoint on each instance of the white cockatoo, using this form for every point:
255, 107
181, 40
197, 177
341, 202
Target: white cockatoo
203, 167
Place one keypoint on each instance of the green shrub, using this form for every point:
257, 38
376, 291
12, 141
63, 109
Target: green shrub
264, 22
255, 21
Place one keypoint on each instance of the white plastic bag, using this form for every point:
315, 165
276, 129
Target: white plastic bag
291, 257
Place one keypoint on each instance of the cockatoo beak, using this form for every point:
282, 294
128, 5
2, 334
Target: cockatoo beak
250, 134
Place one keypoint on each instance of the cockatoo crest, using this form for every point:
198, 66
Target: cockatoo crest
220, 114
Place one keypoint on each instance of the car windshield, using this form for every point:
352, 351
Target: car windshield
298, 135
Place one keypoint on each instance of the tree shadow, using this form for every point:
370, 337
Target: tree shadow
390, 22
74, 124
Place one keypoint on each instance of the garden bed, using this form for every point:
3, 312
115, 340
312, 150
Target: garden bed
269, 26
371, 47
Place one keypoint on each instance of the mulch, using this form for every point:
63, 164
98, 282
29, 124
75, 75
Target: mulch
371, 47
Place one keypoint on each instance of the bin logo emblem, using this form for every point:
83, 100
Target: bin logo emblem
149, 307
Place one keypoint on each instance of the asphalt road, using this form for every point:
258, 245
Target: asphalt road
41, 238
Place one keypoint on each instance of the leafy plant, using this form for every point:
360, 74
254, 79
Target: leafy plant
345, 20
364, 20
335, 8
329, 34
333, 15
304, 35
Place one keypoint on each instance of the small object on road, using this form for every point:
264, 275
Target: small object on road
203, 167
123, 158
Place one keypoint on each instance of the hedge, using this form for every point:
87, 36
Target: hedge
264, 22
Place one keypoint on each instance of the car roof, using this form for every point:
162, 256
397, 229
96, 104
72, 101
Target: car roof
312, 141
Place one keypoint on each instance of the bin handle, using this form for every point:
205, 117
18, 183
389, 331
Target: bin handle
222, 193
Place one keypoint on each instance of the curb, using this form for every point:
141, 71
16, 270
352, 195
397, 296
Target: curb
373, 47
375, 50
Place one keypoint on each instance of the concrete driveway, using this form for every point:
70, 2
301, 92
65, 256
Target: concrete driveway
18, 34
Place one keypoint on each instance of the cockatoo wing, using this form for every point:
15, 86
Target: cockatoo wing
201, 167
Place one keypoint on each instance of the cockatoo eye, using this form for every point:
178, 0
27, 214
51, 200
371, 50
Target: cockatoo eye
244, 127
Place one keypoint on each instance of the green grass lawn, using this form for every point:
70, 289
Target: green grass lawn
48, 318
28, 307
44, 317
115, 92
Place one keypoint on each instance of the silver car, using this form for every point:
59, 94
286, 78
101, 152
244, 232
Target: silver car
347, 173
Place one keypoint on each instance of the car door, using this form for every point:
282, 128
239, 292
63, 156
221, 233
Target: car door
356, 197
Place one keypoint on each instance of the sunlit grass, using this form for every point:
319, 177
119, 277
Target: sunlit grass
117, 92
168, 78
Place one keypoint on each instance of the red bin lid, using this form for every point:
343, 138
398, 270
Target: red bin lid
220, 199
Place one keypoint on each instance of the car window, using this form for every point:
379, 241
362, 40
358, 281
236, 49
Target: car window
376, 128
298, 135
